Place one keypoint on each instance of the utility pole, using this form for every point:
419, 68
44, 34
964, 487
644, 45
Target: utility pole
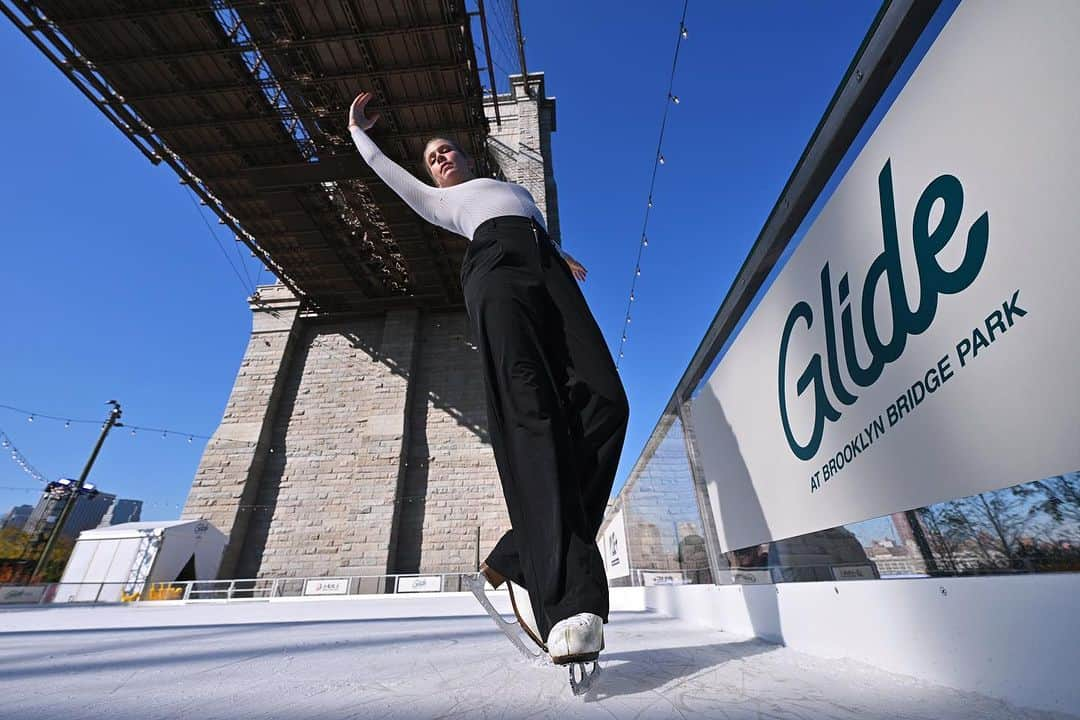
73, 494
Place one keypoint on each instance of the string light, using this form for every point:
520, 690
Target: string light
672, 99
191, 437
20, 459
39, 416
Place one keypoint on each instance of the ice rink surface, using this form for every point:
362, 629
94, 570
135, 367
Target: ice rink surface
429, 658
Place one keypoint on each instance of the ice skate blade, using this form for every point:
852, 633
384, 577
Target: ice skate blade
476, 586
582, 685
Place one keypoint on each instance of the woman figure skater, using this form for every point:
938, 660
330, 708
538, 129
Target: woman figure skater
557, 411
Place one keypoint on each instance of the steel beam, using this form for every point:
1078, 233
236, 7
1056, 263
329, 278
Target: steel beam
232, 121
353, 76
292, 146
264, 47
197, 8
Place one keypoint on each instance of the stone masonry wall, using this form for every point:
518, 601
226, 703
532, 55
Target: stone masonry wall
375, 456
451, 485
325, 502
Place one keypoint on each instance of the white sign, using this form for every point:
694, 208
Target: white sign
326, 586
745, 577
652, 579
854, 572
419, 583
614, 549
920, 345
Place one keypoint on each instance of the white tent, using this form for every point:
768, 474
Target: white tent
108, 562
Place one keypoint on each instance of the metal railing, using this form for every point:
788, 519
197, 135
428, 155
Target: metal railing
244, 589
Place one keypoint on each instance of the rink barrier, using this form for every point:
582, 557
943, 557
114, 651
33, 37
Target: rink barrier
265, 589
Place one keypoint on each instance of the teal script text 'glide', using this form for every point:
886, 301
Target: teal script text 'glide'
933, 282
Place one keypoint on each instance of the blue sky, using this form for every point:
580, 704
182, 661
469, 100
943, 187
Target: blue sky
117, 290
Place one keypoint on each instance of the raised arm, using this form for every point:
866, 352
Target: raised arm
427, 201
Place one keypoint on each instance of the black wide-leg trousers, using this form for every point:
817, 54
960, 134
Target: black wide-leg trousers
557, 415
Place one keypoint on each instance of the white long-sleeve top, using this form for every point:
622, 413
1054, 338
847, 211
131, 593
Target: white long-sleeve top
459, 208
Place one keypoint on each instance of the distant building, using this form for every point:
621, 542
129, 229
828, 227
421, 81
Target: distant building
122, 511
16, 517
87, 513
892, 558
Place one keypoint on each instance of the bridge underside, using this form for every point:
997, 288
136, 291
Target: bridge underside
247, 100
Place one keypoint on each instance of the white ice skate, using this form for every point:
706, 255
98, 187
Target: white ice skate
573, 643
576, 641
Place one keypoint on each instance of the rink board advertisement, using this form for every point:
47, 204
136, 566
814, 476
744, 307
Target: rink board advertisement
613, 546
921, 343
327, 586
419, 584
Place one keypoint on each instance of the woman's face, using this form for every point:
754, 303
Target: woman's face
447, 165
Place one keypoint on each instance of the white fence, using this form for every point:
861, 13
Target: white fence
250, 589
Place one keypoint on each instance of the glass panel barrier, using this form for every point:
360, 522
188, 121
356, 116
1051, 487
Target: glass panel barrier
665, 539
1033, 527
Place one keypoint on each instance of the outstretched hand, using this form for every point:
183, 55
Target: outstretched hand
576, 268
357, 118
